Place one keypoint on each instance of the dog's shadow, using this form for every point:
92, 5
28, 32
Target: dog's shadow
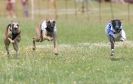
12, 57
117, 59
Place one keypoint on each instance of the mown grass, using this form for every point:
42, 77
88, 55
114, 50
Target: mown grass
79, 60
75, 64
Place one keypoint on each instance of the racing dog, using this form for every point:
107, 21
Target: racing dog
46, 31
12, 35
115, 32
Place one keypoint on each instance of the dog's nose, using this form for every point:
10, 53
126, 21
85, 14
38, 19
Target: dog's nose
15, 27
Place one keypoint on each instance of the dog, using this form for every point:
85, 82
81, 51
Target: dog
115, 32
12, 35
46, 31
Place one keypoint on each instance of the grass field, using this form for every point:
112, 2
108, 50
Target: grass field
84, 57
84, 54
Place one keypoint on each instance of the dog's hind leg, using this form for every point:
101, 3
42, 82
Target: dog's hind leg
34, 42
16, 48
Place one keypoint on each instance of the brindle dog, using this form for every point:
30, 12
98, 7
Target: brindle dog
12, 35
46, 31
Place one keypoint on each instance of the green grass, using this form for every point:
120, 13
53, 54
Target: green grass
82, 59
75, 64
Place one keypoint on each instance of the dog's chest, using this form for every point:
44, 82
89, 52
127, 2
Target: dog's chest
14, 36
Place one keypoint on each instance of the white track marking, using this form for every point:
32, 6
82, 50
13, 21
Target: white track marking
64, 47
128, 44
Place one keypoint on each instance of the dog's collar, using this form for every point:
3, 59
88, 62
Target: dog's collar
15, 35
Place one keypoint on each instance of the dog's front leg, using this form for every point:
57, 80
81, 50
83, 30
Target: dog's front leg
16, 48
36, 39
7, 43
55, 43
112, 41
12, 41
34, 44
46, 37
49, 38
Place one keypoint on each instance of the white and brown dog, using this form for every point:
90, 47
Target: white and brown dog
12, 35
46, 31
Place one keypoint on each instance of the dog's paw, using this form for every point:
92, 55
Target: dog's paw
12, 41
50, 38
56, 53
33, 48
112, 53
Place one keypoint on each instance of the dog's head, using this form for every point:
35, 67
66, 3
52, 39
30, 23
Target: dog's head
15, 27
50, 25
116, 25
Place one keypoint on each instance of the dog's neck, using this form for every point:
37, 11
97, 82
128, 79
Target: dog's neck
15, 35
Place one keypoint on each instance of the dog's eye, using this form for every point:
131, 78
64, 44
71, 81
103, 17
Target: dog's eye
54, 22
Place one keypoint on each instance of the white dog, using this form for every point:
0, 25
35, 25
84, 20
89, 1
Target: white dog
115, 32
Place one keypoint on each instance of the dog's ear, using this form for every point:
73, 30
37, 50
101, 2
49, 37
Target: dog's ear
9, 27
54, 23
